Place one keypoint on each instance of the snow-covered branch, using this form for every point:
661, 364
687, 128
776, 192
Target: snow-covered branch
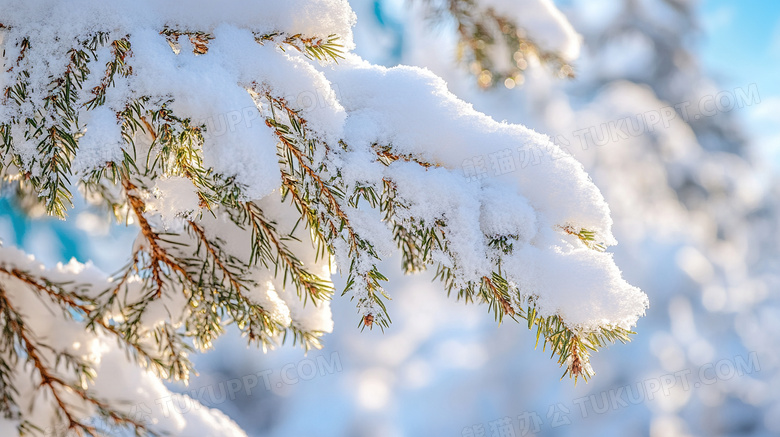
243, 226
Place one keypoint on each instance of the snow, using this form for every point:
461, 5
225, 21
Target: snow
202, 88
408, 109
403, 112
603, 298
553, 193
315, 17
172, 198
102, 141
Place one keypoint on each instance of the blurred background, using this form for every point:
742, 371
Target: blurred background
696, 210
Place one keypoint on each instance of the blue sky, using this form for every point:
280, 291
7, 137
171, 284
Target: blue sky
742, 41
741, 45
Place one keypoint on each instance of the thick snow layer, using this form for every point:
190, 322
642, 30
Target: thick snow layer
587, 288
418, 116
68, 17
415, 112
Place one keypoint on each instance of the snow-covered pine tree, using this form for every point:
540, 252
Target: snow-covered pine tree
699, 172
255, 153
496, 39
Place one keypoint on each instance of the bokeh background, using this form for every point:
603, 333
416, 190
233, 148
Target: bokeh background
697, 213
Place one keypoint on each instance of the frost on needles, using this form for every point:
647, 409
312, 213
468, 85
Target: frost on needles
256, 154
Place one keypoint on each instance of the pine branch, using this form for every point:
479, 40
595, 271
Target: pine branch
386, 156
270, 246
17, 338
485, 35
417, 241
320, 49
199, 40
217, 285
71, 299
54, 124
159, 257
588, 238
321, 205
120, 51
216, 268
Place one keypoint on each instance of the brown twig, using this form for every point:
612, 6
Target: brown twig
506, 306
386, 154
301, 159
158, 255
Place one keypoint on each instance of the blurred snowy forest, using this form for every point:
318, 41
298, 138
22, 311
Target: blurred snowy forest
695, 212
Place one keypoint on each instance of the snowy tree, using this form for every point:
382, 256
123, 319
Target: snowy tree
256, 154
498, 38
694, 209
